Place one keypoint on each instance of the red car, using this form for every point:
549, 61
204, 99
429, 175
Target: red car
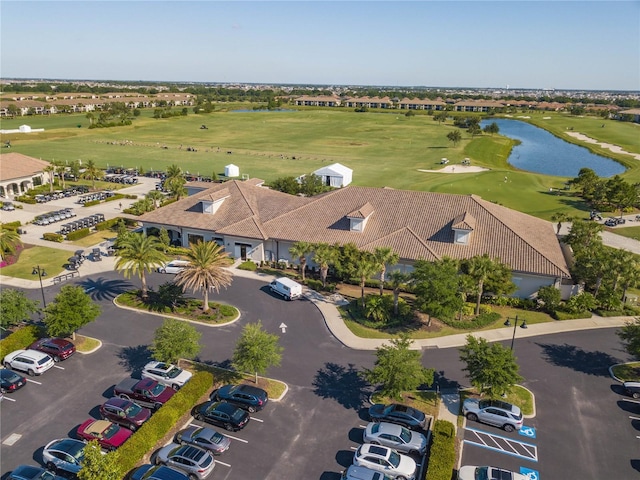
109, 435
124, 412
57, 348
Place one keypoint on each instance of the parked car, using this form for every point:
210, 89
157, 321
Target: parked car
470, 472
204, 437
28, 472
395, 436
493, 412
247, 397
385, 460
396, 413
354, 472
632, 389
64, 455
157, 472
31, 361
125, 413
57, 348
166, 374
8, 206
174, 266
11, 381
109, 435
222, 414
145, 392
194, 461
286, 287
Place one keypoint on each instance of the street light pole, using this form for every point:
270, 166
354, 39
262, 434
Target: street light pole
515, 324
41, 273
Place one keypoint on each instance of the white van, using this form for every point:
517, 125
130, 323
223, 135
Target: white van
286, 287
174, 266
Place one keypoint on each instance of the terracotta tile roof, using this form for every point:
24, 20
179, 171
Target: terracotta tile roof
17, 165
363, 212
415, 224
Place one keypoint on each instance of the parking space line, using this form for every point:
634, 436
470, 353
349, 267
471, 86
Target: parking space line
257, 419
222, 463
10, 399
503, 444
33, 381
58, 367
236, 438
634, 418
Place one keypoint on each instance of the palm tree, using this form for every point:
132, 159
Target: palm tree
365, 267
301, 250
324, 255
138, 254
91, 172
376, 309
397, 279
155, 196
60, 170
9, 241
50, 169
206, 270
384, 256
174, 182
479, 268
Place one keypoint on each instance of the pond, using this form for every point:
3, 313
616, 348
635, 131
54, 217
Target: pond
542, 152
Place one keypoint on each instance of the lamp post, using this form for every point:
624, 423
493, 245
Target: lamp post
507, 323
41, 273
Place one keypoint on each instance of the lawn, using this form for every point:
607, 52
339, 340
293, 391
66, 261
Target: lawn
627, 372
51, 260
383, 149
629, 232
95, 238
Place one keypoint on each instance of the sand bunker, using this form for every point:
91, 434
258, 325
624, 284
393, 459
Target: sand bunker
613, 148
457, 169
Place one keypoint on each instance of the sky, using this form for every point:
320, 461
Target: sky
590, 45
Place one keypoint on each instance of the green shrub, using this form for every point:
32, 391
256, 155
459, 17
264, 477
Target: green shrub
26, 199
107, 224
78, 234
12, 225
480, 321
248, 265
176, 251
154, 429
442, 456
562, 315
92, 203
53, 237
227, 310
317, 285
19, 339
611, 313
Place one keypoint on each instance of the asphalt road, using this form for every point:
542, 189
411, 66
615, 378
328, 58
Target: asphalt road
582, 424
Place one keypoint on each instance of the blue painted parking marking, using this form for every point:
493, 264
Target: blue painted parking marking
527, 431
499, 443
530, 474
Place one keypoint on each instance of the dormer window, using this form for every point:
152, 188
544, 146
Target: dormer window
211, 203
463, 226
358, 218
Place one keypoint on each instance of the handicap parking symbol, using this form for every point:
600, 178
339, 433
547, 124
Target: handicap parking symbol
527, 431
529, 474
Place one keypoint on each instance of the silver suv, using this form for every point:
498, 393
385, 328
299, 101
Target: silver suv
194, 461
493, 412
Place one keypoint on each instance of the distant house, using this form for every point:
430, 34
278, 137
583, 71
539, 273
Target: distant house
335, 175
19, 173
256, 223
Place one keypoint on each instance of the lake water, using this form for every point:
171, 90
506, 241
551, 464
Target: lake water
542, 152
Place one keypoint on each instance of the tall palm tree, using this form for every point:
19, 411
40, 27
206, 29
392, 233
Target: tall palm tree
174, 182
479, 268
365, 267
50, 169
206, 270
301, 250
60, 170
324, 255
397, 279
9, 241
138, 254
155, 196
92, 172
384, 256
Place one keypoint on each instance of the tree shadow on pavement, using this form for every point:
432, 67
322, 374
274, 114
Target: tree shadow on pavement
103, 289
592, 363
635, 464
343, 384
443, 384
133, 359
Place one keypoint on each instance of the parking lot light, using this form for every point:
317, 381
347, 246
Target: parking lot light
41, 273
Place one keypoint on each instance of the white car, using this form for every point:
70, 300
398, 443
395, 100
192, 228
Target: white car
470, 472
166, 374
385, 460
174, 266
31, 361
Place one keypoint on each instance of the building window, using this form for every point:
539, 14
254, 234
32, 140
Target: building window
194, 238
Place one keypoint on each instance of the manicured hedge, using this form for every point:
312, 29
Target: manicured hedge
561, 315
161, 422
26, 199
248, 265
92, 203
53, 237
19, 339
107, 224
480, 321
78, 234
442, 457
12, 225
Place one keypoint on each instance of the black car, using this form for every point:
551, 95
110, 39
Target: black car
11, 381
246, 397
28, 472
632, 389
397, 413
222, 414
158, 472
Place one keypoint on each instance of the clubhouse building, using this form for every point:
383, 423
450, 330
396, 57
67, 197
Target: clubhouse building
255, 223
